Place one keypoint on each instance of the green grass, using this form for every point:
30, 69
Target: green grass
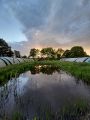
13, 71
79, 70
75, 111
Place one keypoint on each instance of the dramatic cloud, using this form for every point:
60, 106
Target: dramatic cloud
56, 23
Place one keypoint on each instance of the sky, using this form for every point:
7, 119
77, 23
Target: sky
26, 24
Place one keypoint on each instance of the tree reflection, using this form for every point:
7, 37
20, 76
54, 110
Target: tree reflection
45, 69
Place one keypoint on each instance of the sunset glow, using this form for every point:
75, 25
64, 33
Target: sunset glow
36, 23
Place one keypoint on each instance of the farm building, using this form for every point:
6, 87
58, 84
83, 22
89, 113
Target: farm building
2, 63
5, 61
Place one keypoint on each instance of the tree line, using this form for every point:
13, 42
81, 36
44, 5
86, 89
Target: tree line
44, 53
50, 53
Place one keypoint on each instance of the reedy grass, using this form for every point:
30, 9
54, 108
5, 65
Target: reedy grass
72, 111
13, 71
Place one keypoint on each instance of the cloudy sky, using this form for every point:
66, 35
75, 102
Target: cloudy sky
25, 24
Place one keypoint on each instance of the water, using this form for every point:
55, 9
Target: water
40, 89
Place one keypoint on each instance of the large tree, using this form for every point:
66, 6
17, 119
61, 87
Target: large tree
5, 49
48, 52
59, 53
66, 54
76, 51
33, 52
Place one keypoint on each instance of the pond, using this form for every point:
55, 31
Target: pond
44, 92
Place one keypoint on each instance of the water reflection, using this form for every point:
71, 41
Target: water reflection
49, 70
40, 89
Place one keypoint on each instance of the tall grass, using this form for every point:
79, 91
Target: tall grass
72, 111
12, 71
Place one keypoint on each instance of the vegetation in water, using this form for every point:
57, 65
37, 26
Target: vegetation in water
74, 111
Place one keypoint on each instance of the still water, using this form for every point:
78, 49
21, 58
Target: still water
41, 88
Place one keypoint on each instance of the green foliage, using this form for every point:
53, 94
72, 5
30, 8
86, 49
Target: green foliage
51, 54
74, 111
48, 52
66, 54
76, 51
33, 52
17, 116
13, 71
59, 53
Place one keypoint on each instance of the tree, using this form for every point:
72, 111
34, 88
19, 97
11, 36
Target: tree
59, 53
66, 54
48, 52
77, 51
5, 49
33, 52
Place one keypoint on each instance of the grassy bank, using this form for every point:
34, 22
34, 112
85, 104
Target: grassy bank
79, 70
14, 71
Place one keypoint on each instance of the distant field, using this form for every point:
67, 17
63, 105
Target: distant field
79, 70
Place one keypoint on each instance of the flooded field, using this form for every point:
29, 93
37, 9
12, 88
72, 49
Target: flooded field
44, 93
